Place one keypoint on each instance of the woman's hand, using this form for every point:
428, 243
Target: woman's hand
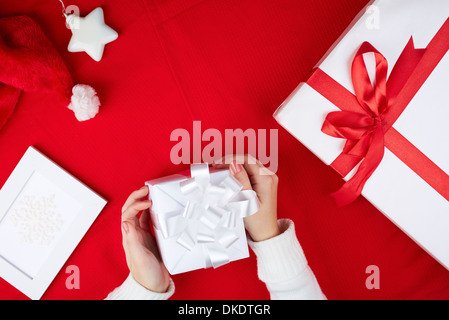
254, 176
142, 255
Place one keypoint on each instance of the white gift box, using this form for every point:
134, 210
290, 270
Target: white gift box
198, 220
394, 188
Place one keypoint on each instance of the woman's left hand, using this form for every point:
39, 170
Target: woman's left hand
142, 255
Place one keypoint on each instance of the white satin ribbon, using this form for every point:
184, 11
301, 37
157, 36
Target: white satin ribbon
210, 215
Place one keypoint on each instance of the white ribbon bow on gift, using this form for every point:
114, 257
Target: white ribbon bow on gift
210, 215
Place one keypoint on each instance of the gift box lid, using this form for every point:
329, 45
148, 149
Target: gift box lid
169, 201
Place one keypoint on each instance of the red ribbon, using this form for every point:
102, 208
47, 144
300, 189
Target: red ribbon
367, 118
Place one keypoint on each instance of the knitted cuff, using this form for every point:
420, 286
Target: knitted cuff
279, 258
132, 290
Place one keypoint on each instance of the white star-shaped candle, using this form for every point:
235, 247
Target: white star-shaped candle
90, 34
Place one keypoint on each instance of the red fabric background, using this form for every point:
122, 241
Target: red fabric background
229, 64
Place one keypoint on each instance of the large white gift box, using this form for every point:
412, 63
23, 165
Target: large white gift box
198, 218
395, 138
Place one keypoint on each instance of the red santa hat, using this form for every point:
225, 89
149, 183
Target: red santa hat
30, 63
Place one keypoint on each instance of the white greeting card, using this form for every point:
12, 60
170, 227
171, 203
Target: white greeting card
44, 213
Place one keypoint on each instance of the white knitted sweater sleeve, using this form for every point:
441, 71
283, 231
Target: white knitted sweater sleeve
132, 290
282, 266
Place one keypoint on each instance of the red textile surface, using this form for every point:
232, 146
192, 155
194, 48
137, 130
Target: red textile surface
228, 64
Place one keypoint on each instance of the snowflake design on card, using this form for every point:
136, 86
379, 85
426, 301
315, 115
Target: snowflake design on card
36, 219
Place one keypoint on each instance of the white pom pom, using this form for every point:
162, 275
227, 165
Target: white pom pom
84, 102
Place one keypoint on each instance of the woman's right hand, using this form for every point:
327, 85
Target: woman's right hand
254, 176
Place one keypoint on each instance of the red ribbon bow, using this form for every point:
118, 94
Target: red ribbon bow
366, 120
364, 130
